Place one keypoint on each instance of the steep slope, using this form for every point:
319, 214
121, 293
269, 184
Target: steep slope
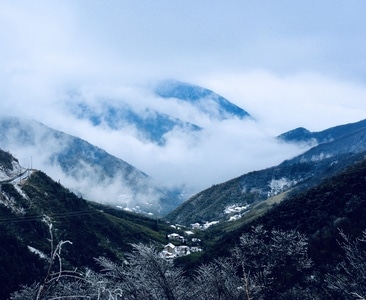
205, 100
298, 173
84, 168
9, 167
28, 207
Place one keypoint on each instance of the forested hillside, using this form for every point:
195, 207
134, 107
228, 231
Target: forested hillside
338, 148
309, 246
34, 209
332, 219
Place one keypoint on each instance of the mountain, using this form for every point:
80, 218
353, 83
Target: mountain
37, 213
32, 206
205, 100
232, 199
84, 168
149, 121
149, 124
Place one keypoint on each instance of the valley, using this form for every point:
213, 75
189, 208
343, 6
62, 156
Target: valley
182, 150
313, 198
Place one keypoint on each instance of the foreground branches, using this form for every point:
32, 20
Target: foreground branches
264, 265
349, 280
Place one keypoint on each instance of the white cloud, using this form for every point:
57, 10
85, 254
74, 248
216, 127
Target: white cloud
221, 151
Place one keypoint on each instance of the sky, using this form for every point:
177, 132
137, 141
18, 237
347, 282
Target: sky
288, 63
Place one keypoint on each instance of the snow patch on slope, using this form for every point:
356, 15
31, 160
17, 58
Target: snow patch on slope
8, 173
9, 202
235, 208
279, 185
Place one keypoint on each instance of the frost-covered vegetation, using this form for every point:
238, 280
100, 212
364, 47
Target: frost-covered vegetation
264, 265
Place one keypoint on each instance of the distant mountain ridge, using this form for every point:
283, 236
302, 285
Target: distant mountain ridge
86, 169
346, 146
302, 135
150, 122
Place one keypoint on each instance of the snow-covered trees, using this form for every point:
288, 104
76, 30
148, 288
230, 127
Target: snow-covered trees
264, 265
145, 275
218, 280
349, 279
272, 262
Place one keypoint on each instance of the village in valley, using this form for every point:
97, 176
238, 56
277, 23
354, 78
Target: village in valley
186, 241
182, 244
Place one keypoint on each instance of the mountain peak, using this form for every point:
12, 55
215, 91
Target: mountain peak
181, 90
200, 97
302, 135
296, 135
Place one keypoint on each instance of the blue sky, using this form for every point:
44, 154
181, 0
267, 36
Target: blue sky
288, 63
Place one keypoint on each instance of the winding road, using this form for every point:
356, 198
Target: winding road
20, 176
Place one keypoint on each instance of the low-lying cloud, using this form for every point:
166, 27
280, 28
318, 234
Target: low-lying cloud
222, 149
